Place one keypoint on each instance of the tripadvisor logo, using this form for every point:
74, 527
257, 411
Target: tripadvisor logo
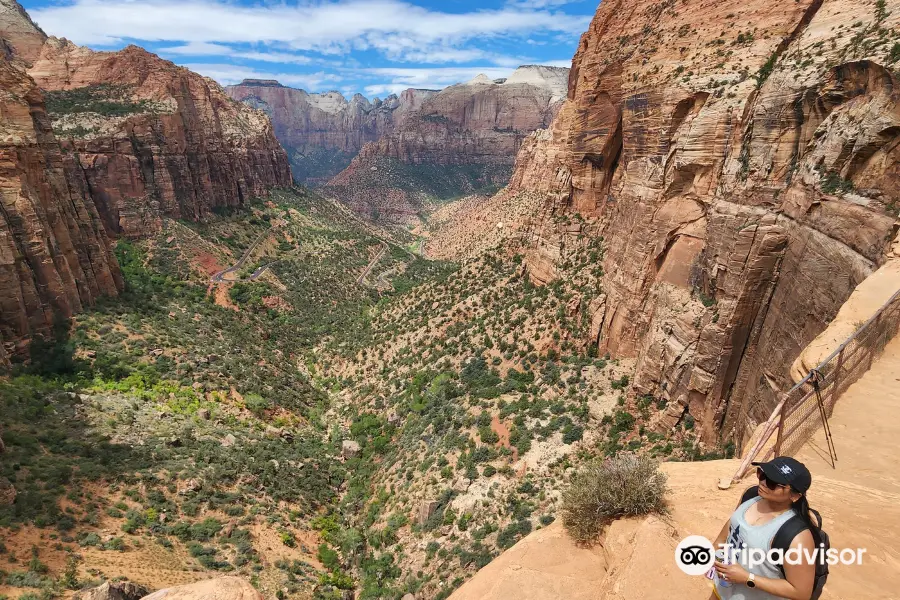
695, 554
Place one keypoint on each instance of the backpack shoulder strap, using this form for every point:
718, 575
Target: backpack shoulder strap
752, 492
787, 532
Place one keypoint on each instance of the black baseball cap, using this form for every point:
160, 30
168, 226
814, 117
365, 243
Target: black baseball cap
787, 471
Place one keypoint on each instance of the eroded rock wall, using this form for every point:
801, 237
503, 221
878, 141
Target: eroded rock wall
323, 132
460, 141
740, 158
154, 139
55, 258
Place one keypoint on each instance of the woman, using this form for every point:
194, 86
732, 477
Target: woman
783, 483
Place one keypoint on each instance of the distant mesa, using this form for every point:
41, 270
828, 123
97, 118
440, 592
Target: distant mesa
261, 82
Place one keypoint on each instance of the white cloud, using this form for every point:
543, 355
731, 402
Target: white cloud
402, 78
218, 35
325, 26
211, 49
539, 3
227, 74
567, 63
198, 49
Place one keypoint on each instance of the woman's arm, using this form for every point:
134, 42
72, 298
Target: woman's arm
799, 578
723, 535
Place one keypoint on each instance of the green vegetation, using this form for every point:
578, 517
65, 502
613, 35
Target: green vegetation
601, 491
105, 99
833, 183
317, 166
192, 417
765, 71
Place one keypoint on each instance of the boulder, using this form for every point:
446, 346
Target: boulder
426, 509
189, 487
229, 440
118, 590
461, 485
7, 492
221, 588
350, 449
203, 413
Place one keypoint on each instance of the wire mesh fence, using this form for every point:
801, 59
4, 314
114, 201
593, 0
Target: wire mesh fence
797, 416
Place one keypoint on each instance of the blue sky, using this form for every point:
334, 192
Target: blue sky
374, 47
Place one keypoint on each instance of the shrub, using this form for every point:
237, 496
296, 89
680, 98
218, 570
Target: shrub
513, 533
625, 485
26, 579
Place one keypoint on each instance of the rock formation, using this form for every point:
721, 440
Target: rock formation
54, 255
323, 132
221, 588
21, 36
459, 141
153, 138
117, 590
740, 161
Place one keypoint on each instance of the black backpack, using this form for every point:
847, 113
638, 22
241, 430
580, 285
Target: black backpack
786, 533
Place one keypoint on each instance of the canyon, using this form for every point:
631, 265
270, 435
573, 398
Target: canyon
389, 159
621, 257
323, 132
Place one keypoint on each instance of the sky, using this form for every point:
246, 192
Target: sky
372, 47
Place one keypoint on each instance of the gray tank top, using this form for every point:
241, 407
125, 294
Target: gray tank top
754, 536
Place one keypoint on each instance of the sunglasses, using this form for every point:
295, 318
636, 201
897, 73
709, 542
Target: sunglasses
768, 482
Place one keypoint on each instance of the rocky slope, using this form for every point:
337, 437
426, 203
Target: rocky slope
155, 139
323, 132
740, 161
54, 254
461, 140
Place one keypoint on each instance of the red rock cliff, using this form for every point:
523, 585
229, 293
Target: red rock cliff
740, 158
155, 139
322, 132
54, 255
459, 141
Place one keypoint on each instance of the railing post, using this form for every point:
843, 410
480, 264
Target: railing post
836, 382
780, 431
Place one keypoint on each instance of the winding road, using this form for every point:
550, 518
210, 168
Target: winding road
220, 276
372, 263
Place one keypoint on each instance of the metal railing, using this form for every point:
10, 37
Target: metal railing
797, 417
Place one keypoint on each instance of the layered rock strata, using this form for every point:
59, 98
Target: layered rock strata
323, 132
155, 139
460, 141
740, 161
55, 257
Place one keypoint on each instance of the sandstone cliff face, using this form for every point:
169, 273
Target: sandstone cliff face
471, 132
21, 37
740, 159
54, 255
155, 139
323, 132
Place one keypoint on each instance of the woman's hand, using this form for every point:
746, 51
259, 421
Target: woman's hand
733, 573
